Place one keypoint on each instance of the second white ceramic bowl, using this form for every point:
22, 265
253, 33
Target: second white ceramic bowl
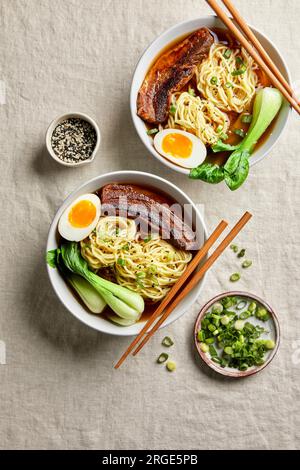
62, 290
175, 33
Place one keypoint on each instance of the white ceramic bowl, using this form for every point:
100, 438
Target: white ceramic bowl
58, 120
176, 32
62, 290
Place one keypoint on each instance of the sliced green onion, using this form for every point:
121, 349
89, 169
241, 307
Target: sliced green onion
147, 239
240, 71
210, 340
242, 253
216, 359
242, 304
262, 314
240, 132
214, 80
212, 351
171, 366
219, 129
239, 325
152, 269
141, 275
163, 357
239, 61
152, 131
204, 347
200, 336
235, 277
173, 109
217, 308
167, 341
227, 54
252, 307
247, 263
228, 85
270, 344
225, 320
245, 315
228, 350
191, 91
121, 262
247, 118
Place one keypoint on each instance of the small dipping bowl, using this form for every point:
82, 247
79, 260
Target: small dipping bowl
59, 120
271, 325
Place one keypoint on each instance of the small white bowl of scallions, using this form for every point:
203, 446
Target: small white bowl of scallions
237, 334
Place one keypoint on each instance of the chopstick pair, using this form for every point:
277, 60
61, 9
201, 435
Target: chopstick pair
170, 301
263, 60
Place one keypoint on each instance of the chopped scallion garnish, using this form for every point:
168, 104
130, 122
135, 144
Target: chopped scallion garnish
247, 118
167, 341
141, 275
240, 71
214, 80
227, 54
163, 357
152, 131
239, 61
240, 132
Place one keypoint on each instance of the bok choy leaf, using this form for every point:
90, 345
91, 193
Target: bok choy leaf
267, 104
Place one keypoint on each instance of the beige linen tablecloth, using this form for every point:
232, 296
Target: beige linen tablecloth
58, 387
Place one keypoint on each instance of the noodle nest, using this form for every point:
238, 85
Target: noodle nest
199, 116
227, 78
149, 267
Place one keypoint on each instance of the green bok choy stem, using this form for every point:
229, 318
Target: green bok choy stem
267, 104
91, 298
124, 302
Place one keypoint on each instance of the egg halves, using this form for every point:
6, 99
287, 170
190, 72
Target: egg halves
80, 218
180, 147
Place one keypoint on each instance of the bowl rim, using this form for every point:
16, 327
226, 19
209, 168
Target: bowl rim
123, 331
136, 119
63, 117
231, 373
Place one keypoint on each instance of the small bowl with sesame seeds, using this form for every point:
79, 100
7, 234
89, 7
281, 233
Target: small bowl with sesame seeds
73, 139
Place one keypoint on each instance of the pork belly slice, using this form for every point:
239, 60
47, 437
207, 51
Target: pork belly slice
170, 73
153, 211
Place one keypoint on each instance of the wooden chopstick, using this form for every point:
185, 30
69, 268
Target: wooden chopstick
191, 267
253, 39
250, 49
196, 277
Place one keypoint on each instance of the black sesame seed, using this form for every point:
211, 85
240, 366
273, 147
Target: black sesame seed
74, 140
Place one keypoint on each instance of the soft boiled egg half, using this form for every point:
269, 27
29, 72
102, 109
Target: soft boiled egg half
80, 218
180, 147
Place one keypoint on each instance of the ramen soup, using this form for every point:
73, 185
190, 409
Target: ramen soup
198, 97
122, 249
